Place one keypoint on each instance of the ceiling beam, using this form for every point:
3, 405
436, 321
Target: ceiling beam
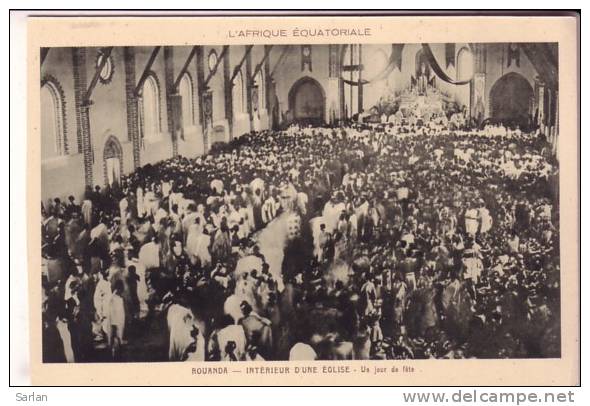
146, 70
44, 52
106, 53
239, 65
281, 57
267, 50
214, 70
184, 69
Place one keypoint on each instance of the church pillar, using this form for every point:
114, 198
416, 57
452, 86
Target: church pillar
203, 93
335, 97
541, 105
556, 124
477, 86
82, 112
172, 100
199, 68
249, 89
132, 104
360, 75
227, 93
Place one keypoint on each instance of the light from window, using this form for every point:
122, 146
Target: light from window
151, 108
52, 130
464, 64
238, 93
186, 92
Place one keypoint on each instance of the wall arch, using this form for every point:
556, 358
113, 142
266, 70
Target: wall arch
186, 91
112, 157
151, 107
239, 94
465, 64
307, 101
53, 119
510, 100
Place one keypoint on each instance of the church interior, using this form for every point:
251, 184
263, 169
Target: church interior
300, 202
107, 111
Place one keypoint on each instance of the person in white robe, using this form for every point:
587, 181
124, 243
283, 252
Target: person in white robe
87, 211
149, 255
231, 342
471, 221
102, 302
302, 352
140, 203
269, 209
485, 218
66, 338
181, 328
123, 206
202, 249
117, 312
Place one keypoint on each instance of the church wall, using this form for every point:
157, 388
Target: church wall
108, 113
153, 151
261, 116
216, 86
58, 66
192, 144
290, 71
241, 119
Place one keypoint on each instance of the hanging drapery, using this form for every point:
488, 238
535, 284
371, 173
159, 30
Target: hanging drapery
395, 60
450, 54
438, 70
396, 55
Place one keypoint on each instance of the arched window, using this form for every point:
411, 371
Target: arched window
151, 108
464, 64
53, 140
185, 89
113, 161
238, 94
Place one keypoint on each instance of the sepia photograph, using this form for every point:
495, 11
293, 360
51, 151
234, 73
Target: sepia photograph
300, 202
311, 200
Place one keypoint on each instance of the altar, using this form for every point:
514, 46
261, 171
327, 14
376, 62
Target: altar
422, 106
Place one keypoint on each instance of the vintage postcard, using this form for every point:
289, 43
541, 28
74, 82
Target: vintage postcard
283, 200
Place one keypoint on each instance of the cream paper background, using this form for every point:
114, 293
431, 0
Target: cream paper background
129, 31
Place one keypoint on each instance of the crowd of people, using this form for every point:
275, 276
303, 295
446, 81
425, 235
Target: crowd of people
360, 242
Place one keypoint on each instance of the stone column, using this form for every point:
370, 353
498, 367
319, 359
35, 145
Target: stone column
478, 84
249, 89
171, 102
541, 105
132, 104
227, 92
82, 112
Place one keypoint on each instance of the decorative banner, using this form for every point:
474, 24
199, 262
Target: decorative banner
208, 107
395, 60
479, 96
333, 65
177, 120
438, 70
396, 55
306, 57
450, 54
513, 55
255, 98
